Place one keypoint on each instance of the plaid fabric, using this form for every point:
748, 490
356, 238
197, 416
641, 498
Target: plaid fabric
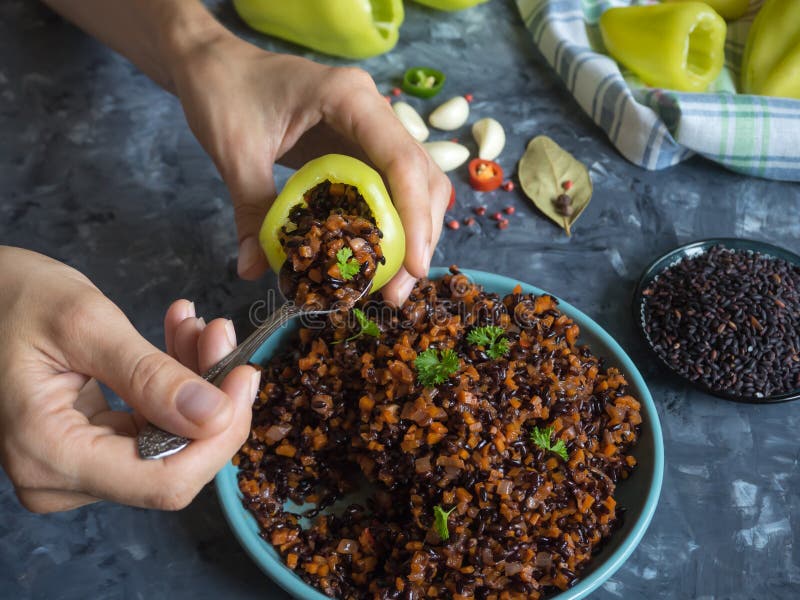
657, 128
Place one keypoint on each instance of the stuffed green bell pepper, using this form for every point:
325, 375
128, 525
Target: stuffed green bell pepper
771, 63
450, 4
679, 46
349, 28
332, 230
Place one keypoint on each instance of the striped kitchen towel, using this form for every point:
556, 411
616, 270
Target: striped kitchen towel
656, 128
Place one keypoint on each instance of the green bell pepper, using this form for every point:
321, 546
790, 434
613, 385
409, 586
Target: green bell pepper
727, 9
450, 4
771, 63
338, 168
349, 28
678, 46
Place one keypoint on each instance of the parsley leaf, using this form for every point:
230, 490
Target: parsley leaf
348, 266
541, 437
560, 448
440, 516
435, 367
367, 327
489, 338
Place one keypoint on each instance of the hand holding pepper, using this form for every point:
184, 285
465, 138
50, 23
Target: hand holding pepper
250, 108
247, 122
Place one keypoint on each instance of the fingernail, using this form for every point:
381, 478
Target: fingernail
188, 310
248, 254
198, 401
405, 288
255, 385
201, 323
428, 255
230, 330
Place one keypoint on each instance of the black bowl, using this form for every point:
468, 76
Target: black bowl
695, 249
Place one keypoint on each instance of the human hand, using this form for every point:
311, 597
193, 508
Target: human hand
250, 108
60, 444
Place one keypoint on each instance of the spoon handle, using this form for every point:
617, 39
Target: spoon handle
153, 442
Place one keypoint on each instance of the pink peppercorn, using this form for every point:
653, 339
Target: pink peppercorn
509, 210
453, 224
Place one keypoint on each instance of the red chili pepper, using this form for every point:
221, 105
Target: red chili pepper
508, 186
469, 221
396, 91
468, 97
480, 210
485, 175
567, 185
452, 202
453, 224
509, 210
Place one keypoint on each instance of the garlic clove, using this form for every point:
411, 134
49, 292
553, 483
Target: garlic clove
450, 115
411, 121
447, 155
490, 137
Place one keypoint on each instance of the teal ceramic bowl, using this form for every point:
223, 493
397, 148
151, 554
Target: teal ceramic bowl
638, 495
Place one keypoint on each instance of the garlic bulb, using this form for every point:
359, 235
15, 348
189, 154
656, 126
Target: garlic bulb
490, 137
411, 121
450, 115
448, 155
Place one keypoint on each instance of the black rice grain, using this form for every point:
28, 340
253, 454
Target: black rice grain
728, 320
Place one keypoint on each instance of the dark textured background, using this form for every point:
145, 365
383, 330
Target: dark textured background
98, 168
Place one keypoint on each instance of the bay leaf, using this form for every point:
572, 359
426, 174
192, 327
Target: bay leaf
542, 171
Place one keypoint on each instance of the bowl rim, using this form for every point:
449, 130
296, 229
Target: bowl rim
237, 517
692, 249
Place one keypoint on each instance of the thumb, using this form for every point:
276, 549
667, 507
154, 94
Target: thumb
165, 392
252, 187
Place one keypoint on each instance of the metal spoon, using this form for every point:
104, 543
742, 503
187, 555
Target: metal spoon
154, 442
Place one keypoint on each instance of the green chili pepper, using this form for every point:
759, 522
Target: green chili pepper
423, 82
727, 9
338, 168
450, 4
771, 63
679, 46
350, 28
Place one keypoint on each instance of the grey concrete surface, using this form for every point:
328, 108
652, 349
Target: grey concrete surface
98, 169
